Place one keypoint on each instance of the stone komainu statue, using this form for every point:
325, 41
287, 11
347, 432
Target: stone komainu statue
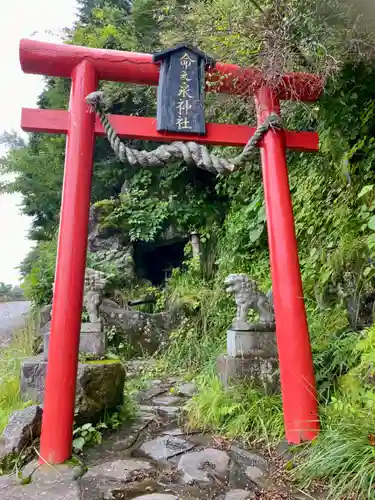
248, 296
95, 282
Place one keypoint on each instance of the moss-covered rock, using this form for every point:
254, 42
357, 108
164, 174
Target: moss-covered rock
100, 389
100, 386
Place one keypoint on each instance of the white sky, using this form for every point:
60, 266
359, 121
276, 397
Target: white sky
21, 19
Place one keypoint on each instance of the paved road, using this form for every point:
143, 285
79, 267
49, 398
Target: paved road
12, 317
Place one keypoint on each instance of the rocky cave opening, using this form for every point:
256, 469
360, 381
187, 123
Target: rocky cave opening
154, 262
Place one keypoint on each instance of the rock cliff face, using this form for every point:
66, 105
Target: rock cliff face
110, 246
152, 261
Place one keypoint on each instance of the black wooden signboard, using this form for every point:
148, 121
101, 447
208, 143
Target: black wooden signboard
180, 96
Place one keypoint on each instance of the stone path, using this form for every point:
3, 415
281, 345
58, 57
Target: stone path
154, 459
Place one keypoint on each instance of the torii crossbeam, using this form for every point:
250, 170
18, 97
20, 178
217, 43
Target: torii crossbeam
85, 67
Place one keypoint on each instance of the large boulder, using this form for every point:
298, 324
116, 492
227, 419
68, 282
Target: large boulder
145, 332
198, 466
100, 386
23, 428
100, 389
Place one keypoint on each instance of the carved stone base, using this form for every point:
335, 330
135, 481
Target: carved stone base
92, 340
251, 343
263, 372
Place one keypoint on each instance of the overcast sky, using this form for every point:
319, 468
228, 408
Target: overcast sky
21, 19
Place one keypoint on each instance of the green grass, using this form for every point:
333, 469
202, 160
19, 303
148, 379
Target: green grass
343, 456
239, 412
11, 356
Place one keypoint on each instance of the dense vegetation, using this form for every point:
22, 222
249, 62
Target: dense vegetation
333, 195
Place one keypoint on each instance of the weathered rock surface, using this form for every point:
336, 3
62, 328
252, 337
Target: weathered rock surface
262, 371
199, 465
92, 340
33, 374
104, 479
187, 390
173, 432
101, 239
254, 473
23, 428
45, 318
145, 332
120, 470
100, 386
171, 411
167, 400
61, 473
239, 495
249, 459
164, 447
48, 491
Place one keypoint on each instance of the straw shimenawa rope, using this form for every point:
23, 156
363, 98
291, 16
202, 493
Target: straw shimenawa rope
189, 152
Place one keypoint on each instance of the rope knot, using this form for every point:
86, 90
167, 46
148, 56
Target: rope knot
273, 120
95, 100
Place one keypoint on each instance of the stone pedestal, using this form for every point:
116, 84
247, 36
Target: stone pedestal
263, 372
93, 340
252, 355
100, 386
249, 343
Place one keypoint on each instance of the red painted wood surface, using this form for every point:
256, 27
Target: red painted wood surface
85, 66
51, 59
295, 358
135, 127
59, 400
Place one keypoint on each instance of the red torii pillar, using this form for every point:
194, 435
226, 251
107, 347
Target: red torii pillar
85, 67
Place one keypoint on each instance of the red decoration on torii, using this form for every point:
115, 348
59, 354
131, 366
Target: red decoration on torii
85, 67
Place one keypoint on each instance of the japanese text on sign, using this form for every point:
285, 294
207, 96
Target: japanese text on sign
184, 93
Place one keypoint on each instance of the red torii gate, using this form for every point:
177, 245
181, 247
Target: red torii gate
85, 67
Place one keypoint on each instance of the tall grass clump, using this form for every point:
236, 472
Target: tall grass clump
344, 455
237, 412
205, 314
11, 357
